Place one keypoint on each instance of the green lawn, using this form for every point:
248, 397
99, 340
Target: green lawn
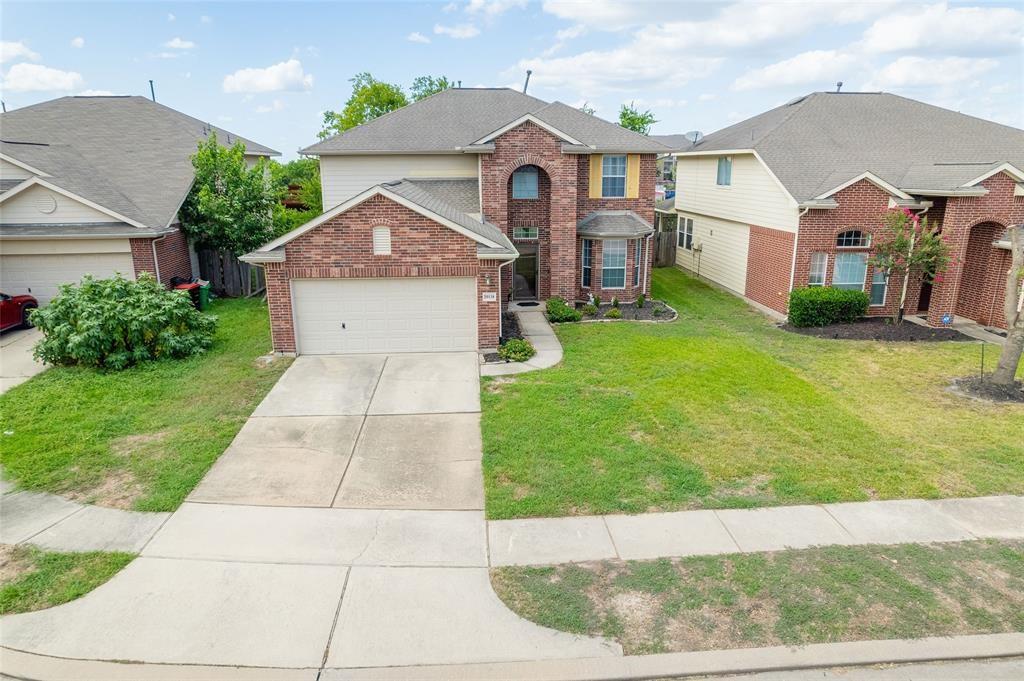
140, 438
722, 409
31, 579
784, 598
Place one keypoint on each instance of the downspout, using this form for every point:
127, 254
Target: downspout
156, 262
646, 266
501, 315
796, 247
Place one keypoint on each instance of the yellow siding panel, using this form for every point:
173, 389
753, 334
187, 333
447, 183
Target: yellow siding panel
633, 176
595, 175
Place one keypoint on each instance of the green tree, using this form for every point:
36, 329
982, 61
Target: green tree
304, 172
908, 247
587, 109
370, 98
229, 206
424, 86
633, 119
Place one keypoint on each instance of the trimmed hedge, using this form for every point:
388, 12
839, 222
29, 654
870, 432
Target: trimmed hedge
116, 323
560, 311
517, 350
824, 305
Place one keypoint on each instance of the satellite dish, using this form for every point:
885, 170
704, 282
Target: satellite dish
694, 136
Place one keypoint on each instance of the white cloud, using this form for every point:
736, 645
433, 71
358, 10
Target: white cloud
168, 55
613, 15
38, 78
205, 19
284, 76
171, 17
571, 32
626, 68
95, 93
823, 67
78, 42
459, 31
276, 105
493, 8
11, 51
707, 97
940, 28
417, 37
179, 44
921, 71
450, 7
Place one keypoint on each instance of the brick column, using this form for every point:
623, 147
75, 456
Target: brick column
279, 302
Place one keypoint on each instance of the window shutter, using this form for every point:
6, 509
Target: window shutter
381, 241
633, 176
595, 176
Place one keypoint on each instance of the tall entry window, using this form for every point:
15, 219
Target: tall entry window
636, 262
587, 254
613, 176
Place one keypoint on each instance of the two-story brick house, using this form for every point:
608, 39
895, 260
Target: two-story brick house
795, 196
445, 210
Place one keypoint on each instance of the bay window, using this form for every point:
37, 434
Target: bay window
613, 264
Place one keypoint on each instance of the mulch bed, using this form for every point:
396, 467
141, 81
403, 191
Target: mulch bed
630, 312
981, 388
510, 327
881, 329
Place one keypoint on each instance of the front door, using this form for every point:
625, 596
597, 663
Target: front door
925, 300
524, 277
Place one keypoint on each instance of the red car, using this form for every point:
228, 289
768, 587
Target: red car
14, 311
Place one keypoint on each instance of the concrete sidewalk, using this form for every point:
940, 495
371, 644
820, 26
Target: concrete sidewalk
16, 362
538, 331
539, 541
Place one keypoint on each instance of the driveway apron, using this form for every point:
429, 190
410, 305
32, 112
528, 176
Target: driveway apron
343, 527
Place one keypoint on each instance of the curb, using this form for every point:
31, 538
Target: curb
22, 665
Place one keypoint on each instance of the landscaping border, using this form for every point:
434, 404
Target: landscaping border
675, 316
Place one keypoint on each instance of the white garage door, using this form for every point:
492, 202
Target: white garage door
384, 315
40, 275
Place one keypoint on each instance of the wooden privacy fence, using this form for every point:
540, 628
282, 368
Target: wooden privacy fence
665, 249
229, 276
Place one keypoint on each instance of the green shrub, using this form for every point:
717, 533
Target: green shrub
115, 323
641, 300
596, 299
821, 306
615, 302
517, 350
560, 311
589, 310
614, 313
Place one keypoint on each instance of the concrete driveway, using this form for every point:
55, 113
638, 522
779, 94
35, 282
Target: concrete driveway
16, 362
342, 528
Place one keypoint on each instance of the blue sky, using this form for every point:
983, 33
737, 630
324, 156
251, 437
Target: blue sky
268, 70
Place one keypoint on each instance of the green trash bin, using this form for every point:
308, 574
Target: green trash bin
204, 295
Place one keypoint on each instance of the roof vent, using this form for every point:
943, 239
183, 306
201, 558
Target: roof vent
796, 100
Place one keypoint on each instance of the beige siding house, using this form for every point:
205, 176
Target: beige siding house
344, 176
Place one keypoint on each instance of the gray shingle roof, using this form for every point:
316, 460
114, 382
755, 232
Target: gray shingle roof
613, 223
90, 230
448, 198
817, 142
129, 154
454, 119
678, 142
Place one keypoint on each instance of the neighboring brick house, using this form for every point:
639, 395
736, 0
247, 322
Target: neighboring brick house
444, 211
92, 185
795, 196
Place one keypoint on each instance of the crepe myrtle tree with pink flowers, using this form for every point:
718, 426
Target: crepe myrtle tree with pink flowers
909, 247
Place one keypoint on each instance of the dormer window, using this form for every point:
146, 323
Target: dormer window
613, 176
853, 238
524, 183
382, 241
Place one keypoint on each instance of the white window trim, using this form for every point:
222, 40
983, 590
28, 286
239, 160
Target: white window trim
585, 263
624, 176
526, 170
625, 258
853, 248
638, 254
681, 226
380, 246
850, 283
535, 236
885, 290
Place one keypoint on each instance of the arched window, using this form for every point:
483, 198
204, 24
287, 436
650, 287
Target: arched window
524, 183
853, 238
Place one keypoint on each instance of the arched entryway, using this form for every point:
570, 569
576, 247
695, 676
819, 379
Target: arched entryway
529, 219
983, 279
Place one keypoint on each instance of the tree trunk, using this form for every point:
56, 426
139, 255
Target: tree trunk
1009, 358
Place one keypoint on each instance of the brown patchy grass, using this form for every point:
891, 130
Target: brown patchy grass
784, 598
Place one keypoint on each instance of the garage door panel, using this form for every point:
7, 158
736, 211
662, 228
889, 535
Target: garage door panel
43, 274
385, 315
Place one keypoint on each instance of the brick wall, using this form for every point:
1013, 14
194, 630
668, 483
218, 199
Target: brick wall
342, 248
958, 292
862, 206
643, 206
172, 253
769, 263
529, 144
534, 213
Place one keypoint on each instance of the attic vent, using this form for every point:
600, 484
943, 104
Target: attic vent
796, 100
46, 203
381, 241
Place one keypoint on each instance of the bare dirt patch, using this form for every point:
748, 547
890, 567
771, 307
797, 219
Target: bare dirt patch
131, 445
119, 489
14, 562
496, 385
983, 389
